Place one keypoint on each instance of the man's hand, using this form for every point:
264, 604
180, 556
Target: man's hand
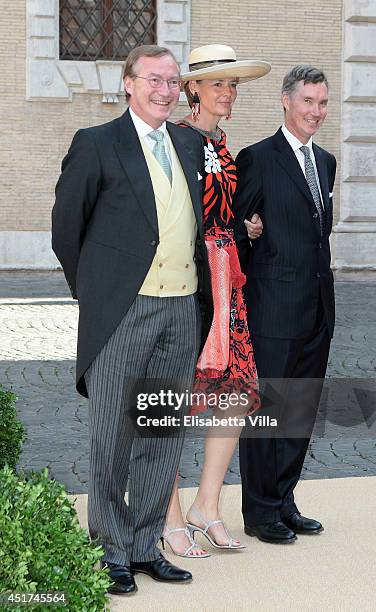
254, 227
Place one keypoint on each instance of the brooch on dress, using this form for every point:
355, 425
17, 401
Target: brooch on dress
212, 163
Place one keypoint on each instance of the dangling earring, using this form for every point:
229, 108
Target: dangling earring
229, 115
195, 106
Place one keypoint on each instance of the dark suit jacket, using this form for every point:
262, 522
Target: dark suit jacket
105, 227
289, 266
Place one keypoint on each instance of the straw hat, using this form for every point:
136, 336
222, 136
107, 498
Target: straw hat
219, 62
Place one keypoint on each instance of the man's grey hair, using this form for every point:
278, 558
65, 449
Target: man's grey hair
305, 73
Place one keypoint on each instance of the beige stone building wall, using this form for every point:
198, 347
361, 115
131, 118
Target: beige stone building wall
36, 134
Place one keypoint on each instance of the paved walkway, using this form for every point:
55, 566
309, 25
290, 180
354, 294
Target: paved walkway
38, 322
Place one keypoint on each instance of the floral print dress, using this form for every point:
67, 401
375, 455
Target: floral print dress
226, 364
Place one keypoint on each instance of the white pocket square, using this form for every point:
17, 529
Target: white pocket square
330, 194
199, 177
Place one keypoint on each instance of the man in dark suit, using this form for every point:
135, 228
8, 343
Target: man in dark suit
127, 229
290, 296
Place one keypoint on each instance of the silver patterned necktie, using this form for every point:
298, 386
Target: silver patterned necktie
159, 152
312, 184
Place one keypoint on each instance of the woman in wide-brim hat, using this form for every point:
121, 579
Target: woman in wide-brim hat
226, 364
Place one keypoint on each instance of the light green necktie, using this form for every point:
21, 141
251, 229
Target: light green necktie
160, 154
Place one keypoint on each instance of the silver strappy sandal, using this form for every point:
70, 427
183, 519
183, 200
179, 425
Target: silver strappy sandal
232, 543
167, 533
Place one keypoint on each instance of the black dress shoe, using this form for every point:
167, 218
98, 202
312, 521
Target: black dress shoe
273, 533
122, 577
162, 570
302, 524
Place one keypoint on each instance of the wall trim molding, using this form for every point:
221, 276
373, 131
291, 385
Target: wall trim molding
28, 250
354, 245
49, 78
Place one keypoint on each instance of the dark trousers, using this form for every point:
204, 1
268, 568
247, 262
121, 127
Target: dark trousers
270, 467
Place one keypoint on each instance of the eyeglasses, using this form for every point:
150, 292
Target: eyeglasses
156, 82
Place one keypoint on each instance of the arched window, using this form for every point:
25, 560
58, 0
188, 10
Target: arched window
105, 29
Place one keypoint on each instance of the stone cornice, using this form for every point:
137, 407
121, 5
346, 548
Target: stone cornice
49, 78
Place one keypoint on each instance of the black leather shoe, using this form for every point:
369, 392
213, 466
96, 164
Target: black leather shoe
302, 524
273, 533
122, 577
162, 570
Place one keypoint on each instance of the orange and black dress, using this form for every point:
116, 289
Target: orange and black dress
226, 364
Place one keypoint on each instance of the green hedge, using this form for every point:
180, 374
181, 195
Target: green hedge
12, 431
42, 546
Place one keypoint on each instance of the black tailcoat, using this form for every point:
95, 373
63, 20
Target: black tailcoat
105, 227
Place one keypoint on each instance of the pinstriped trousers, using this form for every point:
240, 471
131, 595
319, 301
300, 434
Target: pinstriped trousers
157, 339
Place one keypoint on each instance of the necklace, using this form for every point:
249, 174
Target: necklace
216, 135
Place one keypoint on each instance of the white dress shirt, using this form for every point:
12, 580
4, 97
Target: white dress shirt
295, 144
143, 129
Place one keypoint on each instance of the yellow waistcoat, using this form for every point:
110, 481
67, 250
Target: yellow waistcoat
173, 270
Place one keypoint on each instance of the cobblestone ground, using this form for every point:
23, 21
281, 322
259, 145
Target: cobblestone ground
38, 322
